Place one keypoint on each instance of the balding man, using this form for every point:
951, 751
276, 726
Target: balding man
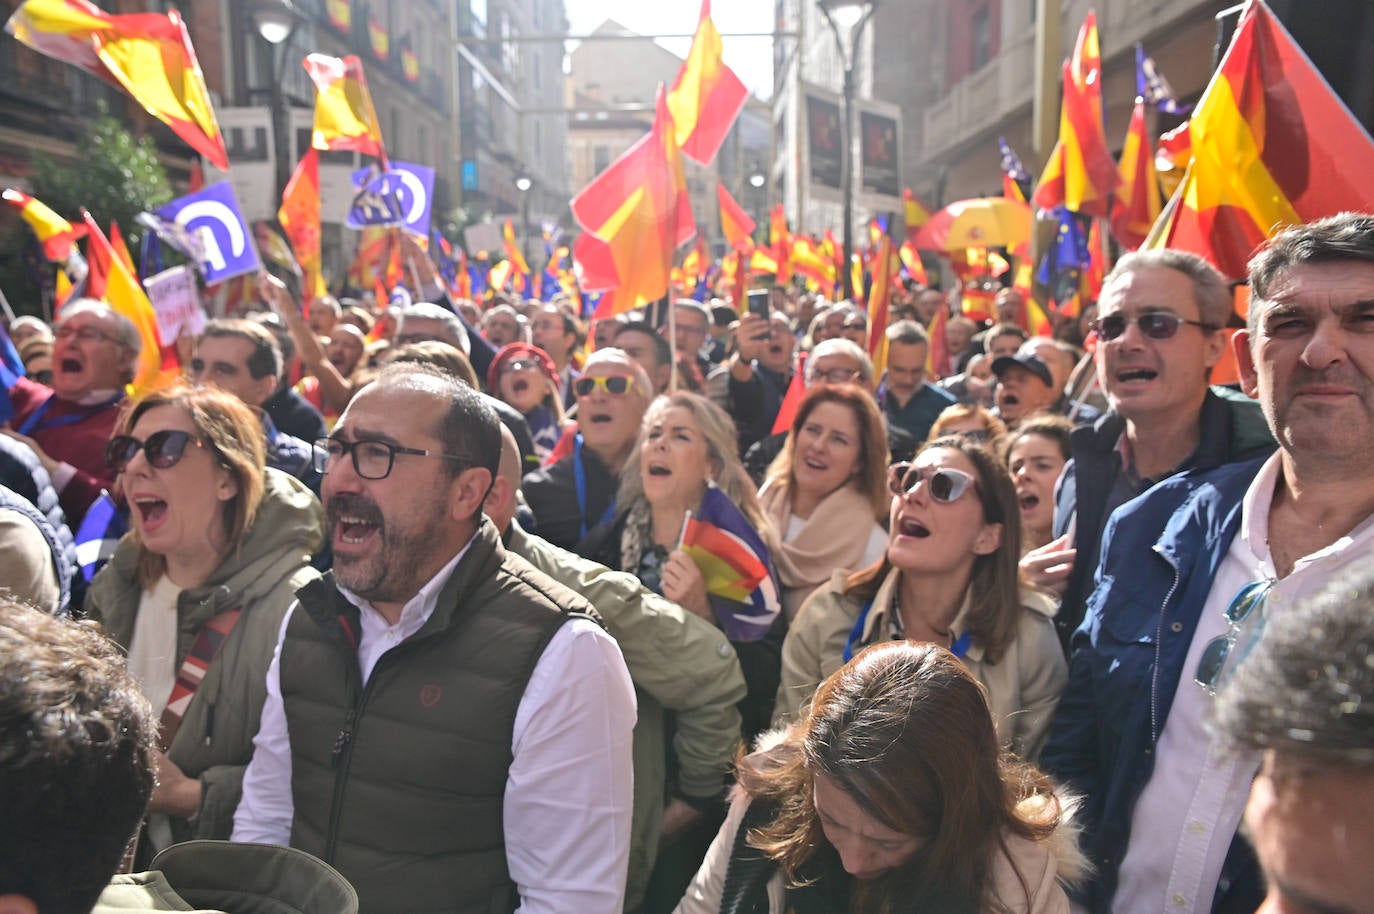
68, 426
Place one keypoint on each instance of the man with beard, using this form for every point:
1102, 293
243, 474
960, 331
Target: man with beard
445, 725
1192, 569
68, 426
759, 374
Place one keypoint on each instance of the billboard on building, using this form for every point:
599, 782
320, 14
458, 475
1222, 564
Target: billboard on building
823, 128
880, 155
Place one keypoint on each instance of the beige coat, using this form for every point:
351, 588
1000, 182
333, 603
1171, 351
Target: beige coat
1041, 866
1023, 688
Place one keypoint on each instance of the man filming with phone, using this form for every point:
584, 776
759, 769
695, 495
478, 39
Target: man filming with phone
760, 371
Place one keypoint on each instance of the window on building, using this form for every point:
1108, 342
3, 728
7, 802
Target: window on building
601, 158
981, 23
477, 15
536, 73
538, 141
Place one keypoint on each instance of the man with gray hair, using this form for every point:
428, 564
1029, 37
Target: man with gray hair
1190, 569
1304, 699
908, 400
1159, 334
68, 426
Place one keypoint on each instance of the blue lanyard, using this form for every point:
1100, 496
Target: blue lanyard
580, 481
959, 648
35, 424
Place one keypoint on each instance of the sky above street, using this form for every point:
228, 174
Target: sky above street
750, 58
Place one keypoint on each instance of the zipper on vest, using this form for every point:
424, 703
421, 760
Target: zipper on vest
342, 755
345, 736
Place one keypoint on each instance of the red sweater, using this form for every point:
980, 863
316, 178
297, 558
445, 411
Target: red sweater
80, 443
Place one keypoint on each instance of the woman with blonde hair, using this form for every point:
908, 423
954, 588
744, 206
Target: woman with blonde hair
197, 590
975, 423
825, 493
891, 795
686, 450
948, 577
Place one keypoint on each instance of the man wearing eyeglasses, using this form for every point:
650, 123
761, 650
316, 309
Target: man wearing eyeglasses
1192, 570
909, 401
444, 724
67, 426
1158, 337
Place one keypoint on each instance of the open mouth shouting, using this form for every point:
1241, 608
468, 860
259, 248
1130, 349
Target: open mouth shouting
1028, 501
151, 511
909, 526
1135, 375
659, 470
353, 522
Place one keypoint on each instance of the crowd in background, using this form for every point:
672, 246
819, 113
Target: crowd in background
975, 669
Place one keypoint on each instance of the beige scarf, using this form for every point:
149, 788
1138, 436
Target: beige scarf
834, 539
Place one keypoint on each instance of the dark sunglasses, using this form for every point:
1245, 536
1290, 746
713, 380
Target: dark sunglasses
945, 485
615, 385
1156, 325
1222, 654
163, 449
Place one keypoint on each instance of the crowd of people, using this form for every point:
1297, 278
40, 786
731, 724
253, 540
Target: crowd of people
702, 610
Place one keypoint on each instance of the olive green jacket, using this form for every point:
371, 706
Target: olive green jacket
679, 663
215, 740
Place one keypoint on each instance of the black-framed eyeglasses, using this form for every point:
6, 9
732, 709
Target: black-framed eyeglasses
1245, 618
615, 385
1155, 325
945, 484
162, 449
371, 459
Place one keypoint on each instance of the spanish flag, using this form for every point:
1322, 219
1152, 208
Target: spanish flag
112, 282
915, 213
149, 55
735, 565
299, 216
884, 268
1272, 146
1080, 174
635, 215
344, 116
514, 255
54, 233
706, 96
1137, 203
735, 223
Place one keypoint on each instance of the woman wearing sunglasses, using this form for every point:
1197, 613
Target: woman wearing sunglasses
525, 377
200, 585
891, 795
824, 492
949, 578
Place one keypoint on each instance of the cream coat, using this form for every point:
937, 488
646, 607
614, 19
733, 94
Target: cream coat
1023, 688
1040, 867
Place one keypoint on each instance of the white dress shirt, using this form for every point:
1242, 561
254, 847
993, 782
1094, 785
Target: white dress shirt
1187, 815
568, 792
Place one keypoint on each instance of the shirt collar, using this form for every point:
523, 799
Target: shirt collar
418, 608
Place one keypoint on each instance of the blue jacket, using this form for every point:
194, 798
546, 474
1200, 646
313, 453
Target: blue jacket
1128, 655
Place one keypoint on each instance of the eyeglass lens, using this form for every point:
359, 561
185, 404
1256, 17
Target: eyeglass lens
163, 449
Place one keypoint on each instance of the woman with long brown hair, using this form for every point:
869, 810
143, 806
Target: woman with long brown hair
892, 795
949, 577
824, 492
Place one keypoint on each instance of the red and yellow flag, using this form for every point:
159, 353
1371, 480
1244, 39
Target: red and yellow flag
810, 261
514, 255
1272, 146
879, 298
54, 233
706, 96
148, 55
113, 283
121, 249
344, 116
780, 240
299, 216
340, 14
735, 223
939, 363
915, 213
636, 214
911, 259
1137, 203
1080, 174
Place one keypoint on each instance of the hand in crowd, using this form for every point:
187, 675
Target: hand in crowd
1047, 568
417, 260
685, 586
175, 794
678, 816
751, 336
48, 463
273, 291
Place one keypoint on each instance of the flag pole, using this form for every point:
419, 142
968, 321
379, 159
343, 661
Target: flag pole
672, 340
5, 304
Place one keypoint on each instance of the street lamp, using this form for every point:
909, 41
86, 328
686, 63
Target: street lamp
523, 184
276, 22
758, 202
850, 16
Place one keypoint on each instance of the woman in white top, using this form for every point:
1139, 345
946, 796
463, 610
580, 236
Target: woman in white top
825, 493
